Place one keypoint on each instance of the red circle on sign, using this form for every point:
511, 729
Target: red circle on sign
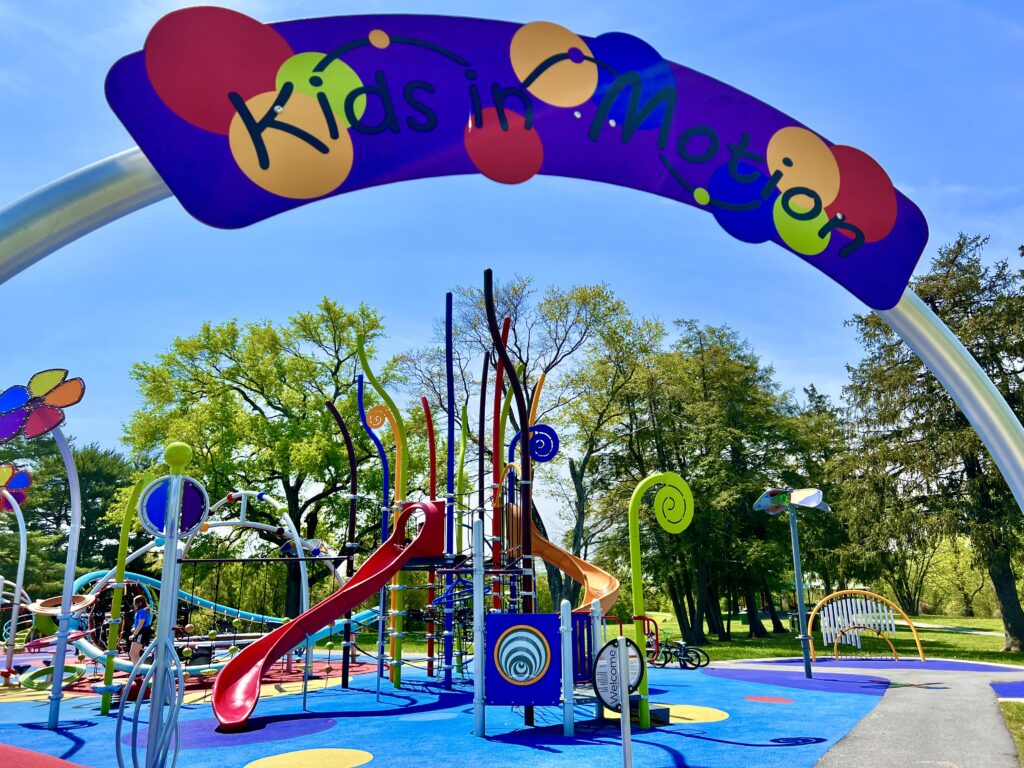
508, 156
195, 57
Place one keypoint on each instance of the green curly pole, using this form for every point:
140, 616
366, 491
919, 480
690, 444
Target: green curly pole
673, 507
460, 496
115, 603
401, 479
460, 477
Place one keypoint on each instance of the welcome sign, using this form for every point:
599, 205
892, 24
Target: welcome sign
245, 120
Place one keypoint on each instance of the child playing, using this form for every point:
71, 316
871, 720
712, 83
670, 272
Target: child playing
142, 628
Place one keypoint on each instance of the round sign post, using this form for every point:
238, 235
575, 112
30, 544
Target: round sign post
608, 669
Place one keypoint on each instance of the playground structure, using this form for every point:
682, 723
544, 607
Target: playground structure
506, 583
466, 580
849, 614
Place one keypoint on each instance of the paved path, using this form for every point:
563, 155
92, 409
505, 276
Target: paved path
933, 718
958, 630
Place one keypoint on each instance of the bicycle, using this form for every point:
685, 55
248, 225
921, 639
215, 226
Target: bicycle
687, 656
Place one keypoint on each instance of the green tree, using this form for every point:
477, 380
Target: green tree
709, 410
48, 506
902, 403
250, 398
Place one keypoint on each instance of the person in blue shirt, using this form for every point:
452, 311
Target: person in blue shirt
142, 628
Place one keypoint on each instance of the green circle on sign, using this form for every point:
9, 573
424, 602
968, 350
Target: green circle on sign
673, 504
800, 234
335, 81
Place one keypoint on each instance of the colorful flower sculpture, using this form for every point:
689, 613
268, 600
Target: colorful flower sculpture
15, 481
34, 410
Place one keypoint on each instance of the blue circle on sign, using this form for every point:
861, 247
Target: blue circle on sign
194, 504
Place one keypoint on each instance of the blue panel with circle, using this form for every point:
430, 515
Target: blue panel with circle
153, 506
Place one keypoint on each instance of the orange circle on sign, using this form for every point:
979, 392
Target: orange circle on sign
804, 160
563, 83
297, 168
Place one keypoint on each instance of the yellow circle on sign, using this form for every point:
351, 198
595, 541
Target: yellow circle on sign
569, 79
314, 758
804, 160
292, 166
690, 713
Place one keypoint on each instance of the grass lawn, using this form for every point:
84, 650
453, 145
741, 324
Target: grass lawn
949, 645
1013, 714
992, 625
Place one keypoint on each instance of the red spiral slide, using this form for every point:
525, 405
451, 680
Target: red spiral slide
237, 688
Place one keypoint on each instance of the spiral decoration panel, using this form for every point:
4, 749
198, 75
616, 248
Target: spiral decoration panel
523, 666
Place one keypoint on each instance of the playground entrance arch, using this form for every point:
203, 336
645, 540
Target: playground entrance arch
241, 120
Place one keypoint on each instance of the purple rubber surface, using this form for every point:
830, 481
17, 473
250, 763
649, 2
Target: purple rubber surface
867, 686
931, 665
203, 734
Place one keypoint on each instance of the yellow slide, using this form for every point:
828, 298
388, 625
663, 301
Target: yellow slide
597, 584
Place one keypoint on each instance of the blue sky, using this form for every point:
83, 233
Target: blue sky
931, 89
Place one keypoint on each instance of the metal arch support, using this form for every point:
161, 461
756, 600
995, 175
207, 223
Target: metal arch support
63, 211
973, 391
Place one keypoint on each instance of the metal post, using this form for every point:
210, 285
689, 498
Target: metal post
625, 714
596, 641
155, 758
479, 710
64, 619
19, 578
306, 671
568, 704
800, 592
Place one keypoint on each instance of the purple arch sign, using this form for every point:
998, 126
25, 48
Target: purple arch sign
245, 120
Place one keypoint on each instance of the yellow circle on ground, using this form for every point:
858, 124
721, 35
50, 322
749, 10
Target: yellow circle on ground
565, 83
690, 713
296, 167
314, 758
379, 38
805, 160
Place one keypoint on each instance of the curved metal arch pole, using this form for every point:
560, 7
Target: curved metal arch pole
66, 209
970, 387
288, 524
12, 639
74, 205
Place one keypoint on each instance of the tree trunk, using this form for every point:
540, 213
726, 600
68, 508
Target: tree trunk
731, 609
1000, 570
715, 610
769, 601
687, 589
756, 627
697, 635
293, 590
678, 605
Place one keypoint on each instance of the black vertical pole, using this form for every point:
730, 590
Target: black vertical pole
350, 543
525, 493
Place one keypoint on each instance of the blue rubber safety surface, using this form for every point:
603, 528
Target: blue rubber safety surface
1009, 690
770, 722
